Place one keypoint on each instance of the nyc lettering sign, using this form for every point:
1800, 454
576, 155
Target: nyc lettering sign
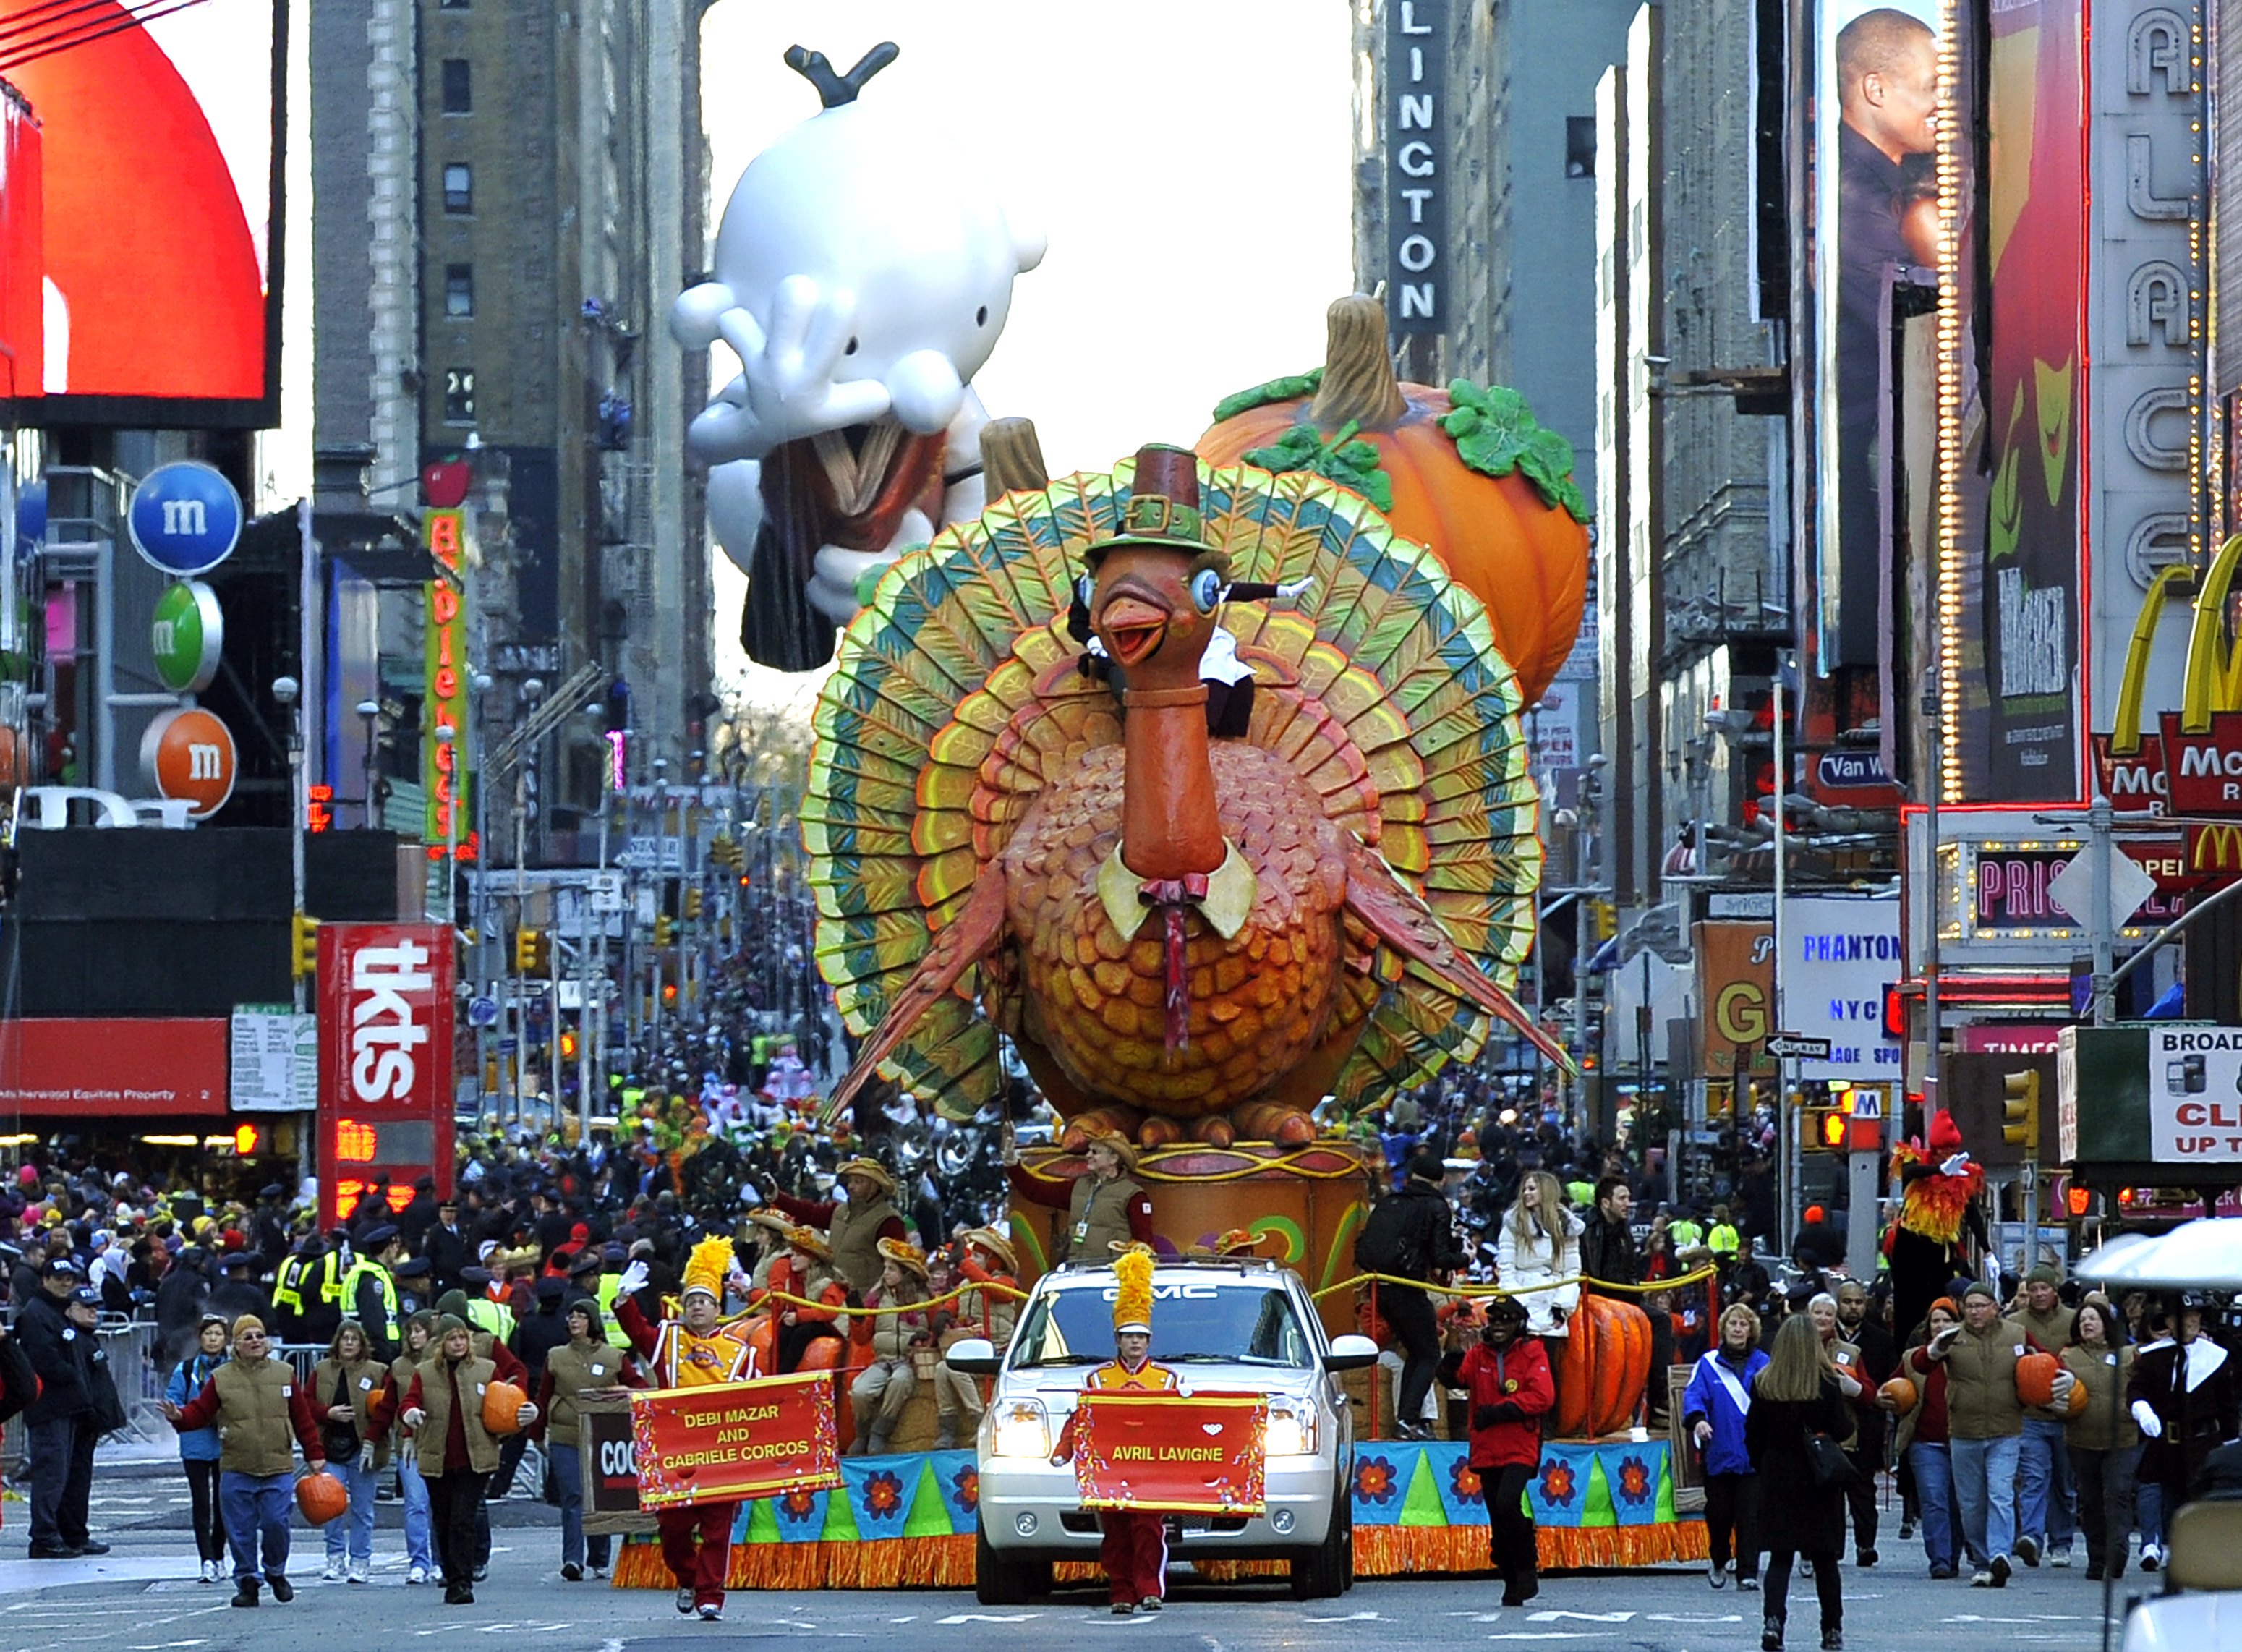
385, 1029
2195, 1095
1414, 91
1840, 954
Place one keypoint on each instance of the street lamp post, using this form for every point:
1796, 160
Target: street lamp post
369, 711
287, 693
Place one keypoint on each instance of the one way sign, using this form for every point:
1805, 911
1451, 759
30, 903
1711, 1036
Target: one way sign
1789, 1046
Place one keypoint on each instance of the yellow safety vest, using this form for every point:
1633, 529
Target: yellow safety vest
288, 1285
494, 1317
363, 1269
610, 1285
332, 1277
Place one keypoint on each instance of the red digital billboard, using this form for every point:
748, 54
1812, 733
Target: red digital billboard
160, 270
22, 305
386, 1027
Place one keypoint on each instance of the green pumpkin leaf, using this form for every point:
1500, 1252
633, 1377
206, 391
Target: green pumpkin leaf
1495, 435
1296, 388
1344, 459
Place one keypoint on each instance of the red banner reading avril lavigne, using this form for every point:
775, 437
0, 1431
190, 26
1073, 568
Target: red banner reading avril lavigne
1189, 1454
733, 1440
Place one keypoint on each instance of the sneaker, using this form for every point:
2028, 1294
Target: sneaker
244, 1593
1717, 1576
2027, 1549
1906, 1530
416, 1574
711, 1613
333, 1571
2153, 1556
1749, 1585
2001, 1571
1771, 1636
685, 1598
1981, 1578
1865, 1558
1832, 1640
360, 1572
482, 1573
599, 1571
572, 1571
1942, 1574
93, 1546
283, 1590
211, 1573
1149, 1603
1122, 1608
2059, 1556
53, 1552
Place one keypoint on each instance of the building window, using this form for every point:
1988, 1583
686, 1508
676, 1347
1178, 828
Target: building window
459, 187
459, 87
459, 396
1580, 145
458, 289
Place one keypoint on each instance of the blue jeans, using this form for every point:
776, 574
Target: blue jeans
351, 1534
1934, 1491
1985, 1492
2148, 1511
417, 1549
568, 1474
257, 1509
2043, 1488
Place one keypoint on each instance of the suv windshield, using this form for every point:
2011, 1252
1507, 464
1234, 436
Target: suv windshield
1199, 1321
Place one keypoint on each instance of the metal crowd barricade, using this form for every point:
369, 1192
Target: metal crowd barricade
137, 1366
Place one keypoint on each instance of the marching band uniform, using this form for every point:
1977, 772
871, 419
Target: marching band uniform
1135, 1549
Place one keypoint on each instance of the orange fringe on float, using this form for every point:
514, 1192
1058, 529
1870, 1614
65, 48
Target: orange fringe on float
911, 1562
1379, 1551
1396, 1551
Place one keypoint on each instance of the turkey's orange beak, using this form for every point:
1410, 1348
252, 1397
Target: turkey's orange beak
1134, 629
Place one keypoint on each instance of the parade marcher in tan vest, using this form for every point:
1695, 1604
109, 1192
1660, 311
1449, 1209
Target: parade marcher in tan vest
989, 1260
586, 1364
855, 1226
256, 1405
444, 1408
419, 1551
1107, 1210
884, 1387
347, 1387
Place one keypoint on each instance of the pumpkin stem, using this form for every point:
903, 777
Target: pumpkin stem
1011, 456
1359, 385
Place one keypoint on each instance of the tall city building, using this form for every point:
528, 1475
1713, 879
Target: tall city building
509, 195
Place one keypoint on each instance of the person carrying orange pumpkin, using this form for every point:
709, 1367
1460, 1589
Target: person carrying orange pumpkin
1134, 1551
2045, 1519
689, 1352
255, 1402
456, 1451
1506, 1376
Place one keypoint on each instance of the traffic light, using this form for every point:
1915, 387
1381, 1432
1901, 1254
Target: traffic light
302, 945
1826, 1127
665, 931
692, 905
531, 952
726, 852
2020, 1111
245, 1141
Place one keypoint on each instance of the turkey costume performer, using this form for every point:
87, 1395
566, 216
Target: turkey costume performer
1135, 1550
1938, 1206
690, 1352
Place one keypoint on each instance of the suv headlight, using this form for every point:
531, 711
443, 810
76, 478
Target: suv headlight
1292, 1430
1022, 1429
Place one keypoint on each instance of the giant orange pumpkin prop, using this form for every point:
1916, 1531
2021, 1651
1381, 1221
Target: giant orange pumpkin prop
1464, 470
1606, 1363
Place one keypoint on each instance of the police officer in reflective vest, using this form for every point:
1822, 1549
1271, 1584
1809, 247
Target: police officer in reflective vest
370, 1288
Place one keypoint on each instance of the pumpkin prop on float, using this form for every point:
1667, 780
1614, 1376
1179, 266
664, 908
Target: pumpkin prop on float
502, 1404
321, 1497
1900, 1394
1606, 1363
2036, 1379
1465, 470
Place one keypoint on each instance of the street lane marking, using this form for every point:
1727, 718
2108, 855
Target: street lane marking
954, 1619
1352, 1617
1580, 1617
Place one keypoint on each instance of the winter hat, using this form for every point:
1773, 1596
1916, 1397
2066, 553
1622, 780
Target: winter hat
1978, 1287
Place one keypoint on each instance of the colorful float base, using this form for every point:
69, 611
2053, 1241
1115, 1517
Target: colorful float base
906, 1521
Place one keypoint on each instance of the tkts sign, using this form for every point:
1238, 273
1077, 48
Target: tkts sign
385, 1061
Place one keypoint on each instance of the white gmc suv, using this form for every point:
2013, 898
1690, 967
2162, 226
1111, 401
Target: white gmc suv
1235, 1325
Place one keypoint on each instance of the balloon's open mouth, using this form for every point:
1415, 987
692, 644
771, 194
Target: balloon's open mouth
1133, 629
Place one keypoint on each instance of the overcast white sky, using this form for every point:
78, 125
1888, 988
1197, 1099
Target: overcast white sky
1190, 161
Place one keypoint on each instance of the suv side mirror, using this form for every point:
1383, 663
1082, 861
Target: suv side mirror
1346, 1353
974, 1356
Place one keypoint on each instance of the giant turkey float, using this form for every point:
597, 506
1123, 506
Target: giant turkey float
1220, 941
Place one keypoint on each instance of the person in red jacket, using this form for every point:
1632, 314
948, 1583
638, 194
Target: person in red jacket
1506, 1376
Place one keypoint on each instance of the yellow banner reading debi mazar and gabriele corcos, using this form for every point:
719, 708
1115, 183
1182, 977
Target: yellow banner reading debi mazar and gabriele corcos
1193, 1454
730, 1441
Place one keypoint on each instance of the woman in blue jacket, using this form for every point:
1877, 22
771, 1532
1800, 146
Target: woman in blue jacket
199, 1446
1713, 1410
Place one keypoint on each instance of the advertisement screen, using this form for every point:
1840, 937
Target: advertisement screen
21, 306
108, 1068
2013, 621
161, 268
